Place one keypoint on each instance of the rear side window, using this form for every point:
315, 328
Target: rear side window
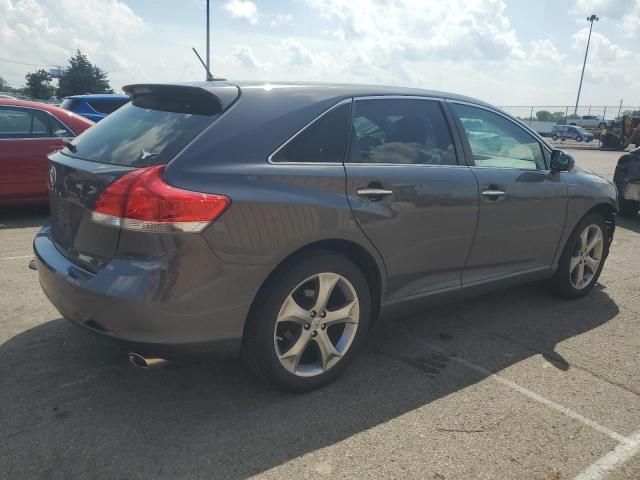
16, 122
324, 141
151, 130
400, 131
69, 103
107, 106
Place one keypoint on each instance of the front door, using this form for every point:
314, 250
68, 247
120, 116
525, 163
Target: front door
523, 204
410, 194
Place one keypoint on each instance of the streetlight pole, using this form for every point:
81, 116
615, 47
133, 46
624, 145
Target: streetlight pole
591, 19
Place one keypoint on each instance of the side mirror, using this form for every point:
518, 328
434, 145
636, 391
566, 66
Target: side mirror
561, 161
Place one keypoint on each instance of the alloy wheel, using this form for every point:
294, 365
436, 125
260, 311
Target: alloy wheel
586, 257
316, 324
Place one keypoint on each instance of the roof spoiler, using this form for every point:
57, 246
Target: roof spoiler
175, 98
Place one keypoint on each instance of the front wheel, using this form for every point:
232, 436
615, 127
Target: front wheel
583, 258
554, 138
578, 138
308, 322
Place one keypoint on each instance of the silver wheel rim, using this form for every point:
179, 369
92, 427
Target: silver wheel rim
586, 257
316, 324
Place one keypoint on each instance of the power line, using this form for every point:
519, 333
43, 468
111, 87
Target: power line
28, 64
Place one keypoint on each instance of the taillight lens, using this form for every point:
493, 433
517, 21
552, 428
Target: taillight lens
142, 200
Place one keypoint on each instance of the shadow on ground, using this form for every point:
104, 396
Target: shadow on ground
72, 407
23, 216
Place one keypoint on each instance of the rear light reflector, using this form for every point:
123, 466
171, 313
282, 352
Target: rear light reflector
141, 200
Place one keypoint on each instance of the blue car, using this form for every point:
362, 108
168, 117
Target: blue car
94, 107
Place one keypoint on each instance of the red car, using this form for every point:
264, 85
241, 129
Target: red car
29, 131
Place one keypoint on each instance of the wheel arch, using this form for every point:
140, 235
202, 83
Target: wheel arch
371, 268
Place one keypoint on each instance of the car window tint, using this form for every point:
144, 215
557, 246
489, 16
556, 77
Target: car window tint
17, 122
498, 142
401, 131
58, 129
138, 136
324, 141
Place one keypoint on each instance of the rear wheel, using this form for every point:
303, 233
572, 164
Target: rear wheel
629, 208
308, 322
583, 258
555, 137
602, 125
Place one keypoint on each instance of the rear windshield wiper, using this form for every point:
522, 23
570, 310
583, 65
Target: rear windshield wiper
67, 143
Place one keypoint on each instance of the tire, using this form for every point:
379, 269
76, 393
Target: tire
602, 125
554, 138
564, 281
578, 138
628, 208
268, 338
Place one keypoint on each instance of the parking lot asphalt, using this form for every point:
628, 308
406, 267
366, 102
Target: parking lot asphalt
517, 384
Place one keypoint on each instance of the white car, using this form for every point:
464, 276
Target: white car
589, 121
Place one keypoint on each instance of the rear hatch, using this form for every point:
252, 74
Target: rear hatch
153, 129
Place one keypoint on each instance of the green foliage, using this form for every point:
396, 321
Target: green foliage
4, 85
39, 85
546, 116
83, 77
632, 113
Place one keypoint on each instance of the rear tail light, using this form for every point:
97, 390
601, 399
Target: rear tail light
141, 200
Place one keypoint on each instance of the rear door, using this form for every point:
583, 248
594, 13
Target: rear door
412, 197
26, 138
523, 204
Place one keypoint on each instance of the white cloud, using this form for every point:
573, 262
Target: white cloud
281, 19
49, 31
601, 49
419, 29
244, 56
625, 13
244, 9
544, 51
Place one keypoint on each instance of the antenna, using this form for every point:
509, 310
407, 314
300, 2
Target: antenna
204, 65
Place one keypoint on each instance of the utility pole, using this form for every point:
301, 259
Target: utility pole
591, 19
208, 45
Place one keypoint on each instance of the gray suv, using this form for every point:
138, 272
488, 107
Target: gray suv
278, 222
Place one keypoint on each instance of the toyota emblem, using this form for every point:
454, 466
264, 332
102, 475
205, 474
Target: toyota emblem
52, 176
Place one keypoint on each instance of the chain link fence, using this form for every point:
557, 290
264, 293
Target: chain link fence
592, 118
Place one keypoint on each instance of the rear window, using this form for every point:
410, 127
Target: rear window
149, 131
107, 105
69, 103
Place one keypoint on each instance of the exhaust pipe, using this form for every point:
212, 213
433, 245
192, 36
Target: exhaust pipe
146, 362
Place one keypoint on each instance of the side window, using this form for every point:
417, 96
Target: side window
59, 130
401, 132
324, 141
16, 123
498, 142
106, 106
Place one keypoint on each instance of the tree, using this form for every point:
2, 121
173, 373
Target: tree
4, 85
83, 77
39, 85
544, 116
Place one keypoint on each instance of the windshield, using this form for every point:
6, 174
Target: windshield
137, 136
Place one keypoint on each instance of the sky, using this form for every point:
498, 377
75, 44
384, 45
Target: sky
511, 52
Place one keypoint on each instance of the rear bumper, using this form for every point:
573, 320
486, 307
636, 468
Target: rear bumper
144, 305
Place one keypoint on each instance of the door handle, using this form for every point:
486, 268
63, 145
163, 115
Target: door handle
493, 193
373, 192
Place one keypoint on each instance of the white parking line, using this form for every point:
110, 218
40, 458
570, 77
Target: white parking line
16, 258
533, 395
616, 457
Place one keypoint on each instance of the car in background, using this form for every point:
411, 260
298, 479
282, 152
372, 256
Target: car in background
588, 121
277, 222
94, 107
29, 131
571, 132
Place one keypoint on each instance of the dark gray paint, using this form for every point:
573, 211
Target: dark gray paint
173, 290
